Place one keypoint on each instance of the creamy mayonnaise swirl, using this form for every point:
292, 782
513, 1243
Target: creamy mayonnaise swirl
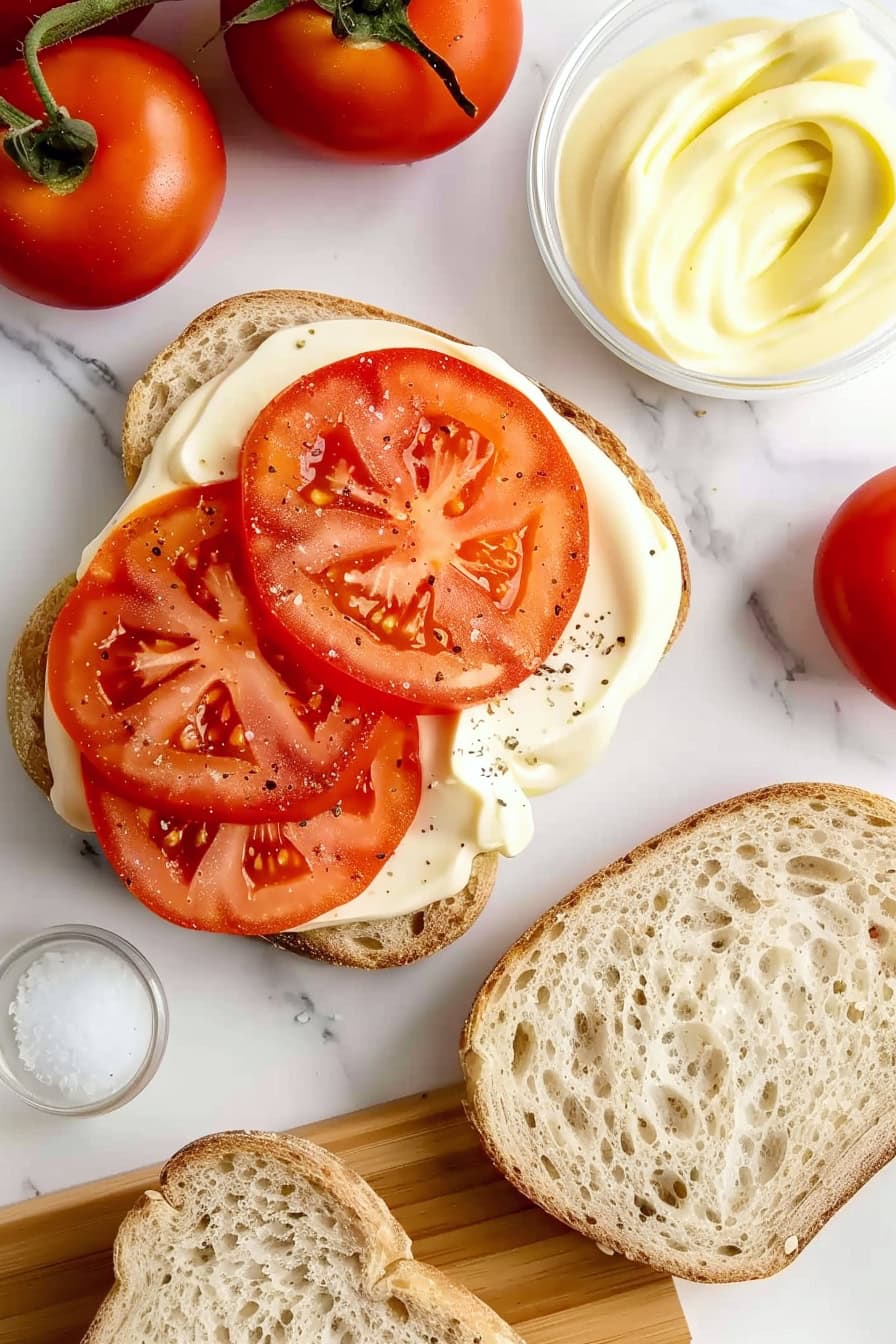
481, 765
726, 197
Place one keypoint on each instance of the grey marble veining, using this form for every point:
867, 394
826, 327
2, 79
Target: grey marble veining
88, 381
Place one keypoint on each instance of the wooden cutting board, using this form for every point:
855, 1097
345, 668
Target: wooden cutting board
423, 1158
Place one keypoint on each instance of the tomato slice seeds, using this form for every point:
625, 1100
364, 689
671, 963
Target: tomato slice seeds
264, 877
169, 685
416, 524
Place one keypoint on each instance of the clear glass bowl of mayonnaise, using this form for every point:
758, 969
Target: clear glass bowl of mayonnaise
713, 191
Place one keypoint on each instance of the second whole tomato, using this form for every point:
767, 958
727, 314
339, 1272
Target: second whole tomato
376, 100
150, 195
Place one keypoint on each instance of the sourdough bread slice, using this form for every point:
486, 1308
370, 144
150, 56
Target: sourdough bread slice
692, 1059
208, 346
266, 1237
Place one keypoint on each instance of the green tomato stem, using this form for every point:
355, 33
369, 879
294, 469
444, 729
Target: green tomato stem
387, 21
58, 25
56, 152
368, 21
16, 120
401, 32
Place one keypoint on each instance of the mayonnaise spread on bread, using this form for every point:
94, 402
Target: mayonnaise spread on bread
480, 765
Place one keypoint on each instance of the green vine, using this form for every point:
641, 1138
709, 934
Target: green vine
55, 149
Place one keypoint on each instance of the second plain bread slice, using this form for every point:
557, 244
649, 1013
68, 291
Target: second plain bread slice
692, 1059
268, 1239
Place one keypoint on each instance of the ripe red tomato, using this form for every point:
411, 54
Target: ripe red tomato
416, 524
379, 102
157, 671
855, 584
230, 878
17, 16
151, 194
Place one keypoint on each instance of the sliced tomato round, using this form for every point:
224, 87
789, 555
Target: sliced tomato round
159, 671
227, 877
416, 524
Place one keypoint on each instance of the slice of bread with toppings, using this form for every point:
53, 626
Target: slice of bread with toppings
208, 346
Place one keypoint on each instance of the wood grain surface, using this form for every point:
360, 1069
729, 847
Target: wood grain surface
420, 1154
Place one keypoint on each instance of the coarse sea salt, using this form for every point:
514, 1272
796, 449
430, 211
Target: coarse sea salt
82, 1021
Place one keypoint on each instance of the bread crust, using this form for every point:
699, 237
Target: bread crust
866, 1157
370, 944
389, 1262
25, 685
207, 346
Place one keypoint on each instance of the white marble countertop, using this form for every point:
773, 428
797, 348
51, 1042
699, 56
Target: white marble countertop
751, 694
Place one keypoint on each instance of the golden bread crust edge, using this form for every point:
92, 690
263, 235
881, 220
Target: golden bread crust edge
866, 1157
372, 944
25, 685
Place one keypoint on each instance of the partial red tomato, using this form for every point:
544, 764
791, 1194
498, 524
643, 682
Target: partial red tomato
230, 878
376, 101
17, 16
416, 524
150, 196
157, 670
855, 584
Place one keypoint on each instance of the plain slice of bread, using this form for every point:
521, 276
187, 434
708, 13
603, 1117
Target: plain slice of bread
208, 346
692, 1059
265, 1239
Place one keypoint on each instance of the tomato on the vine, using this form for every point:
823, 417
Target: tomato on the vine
855, 584
17, 16
368, 98
147, 200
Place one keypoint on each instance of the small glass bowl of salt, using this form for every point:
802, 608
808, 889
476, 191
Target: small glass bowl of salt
83, 1020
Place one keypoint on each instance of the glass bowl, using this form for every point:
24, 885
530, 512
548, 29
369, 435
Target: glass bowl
625, 28
24, 1083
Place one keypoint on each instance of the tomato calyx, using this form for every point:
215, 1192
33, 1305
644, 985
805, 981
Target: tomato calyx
387, 21
57, 155
56, 152
373, 21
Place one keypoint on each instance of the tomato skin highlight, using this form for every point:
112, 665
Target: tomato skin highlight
17, 16
416, 525
164, 676
151, 195
227, 877
384, 104
855, 584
